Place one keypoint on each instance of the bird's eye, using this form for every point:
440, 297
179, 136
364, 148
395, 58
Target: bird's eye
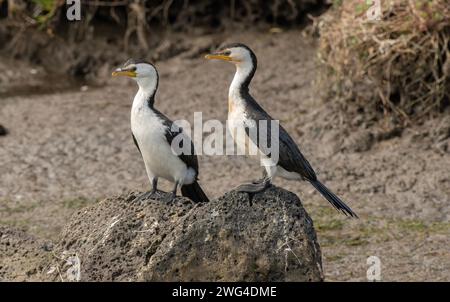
129, 68
226, 52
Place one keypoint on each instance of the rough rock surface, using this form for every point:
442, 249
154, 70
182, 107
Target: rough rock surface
228, 239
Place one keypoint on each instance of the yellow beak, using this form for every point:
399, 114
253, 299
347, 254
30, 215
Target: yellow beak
218, 57
125, 73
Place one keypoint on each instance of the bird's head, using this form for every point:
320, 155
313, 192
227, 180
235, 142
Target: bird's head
237, 53
136, 69
144, 73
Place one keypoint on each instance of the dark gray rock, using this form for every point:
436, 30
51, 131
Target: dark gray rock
3, 130
225, 240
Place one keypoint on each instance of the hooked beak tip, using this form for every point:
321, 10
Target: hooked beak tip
218, 57
116, 72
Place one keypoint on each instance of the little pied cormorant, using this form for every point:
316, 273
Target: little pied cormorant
244, 111
153, 134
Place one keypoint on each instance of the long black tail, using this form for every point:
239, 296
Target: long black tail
194, 192
333, 199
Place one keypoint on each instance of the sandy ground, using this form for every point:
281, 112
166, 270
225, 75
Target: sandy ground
69, 149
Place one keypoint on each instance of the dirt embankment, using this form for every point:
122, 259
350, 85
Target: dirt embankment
65, 150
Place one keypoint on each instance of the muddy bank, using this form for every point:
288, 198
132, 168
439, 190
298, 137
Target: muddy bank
22, 256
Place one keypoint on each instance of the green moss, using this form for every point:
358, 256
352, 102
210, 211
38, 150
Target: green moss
46, 5
333, 229
360, 8
10, 207
334, 224
76, 203
49, 8
355, 241
411, 225
418, 226
332, 258
440, 227
337, 2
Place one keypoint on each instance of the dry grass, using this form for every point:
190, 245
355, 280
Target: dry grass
398, 65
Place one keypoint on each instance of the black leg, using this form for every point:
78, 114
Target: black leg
151, 193
172, 194
143, 196
175, 188
255, 187
154, 186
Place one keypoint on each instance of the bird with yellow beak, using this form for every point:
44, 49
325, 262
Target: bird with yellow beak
244, 112
153, 134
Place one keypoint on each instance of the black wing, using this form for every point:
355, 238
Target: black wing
171, 132
135, 142
290, 157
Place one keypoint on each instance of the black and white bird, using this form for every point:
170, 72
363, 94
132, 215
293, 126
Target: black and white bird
245, 112
153, 134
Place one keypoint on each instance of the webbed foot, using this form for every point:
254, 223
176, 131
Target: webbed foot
253, 188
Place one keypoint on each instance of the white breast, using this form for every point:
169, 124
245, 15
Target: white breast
149, 131
237, 121
238, 118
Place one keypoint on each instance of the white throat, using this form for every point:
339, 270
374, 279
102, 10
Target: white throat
147, 88
243, 69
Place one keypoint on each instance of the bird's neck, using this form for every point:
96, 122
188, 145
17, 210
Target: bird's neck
146, 93
241, 81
